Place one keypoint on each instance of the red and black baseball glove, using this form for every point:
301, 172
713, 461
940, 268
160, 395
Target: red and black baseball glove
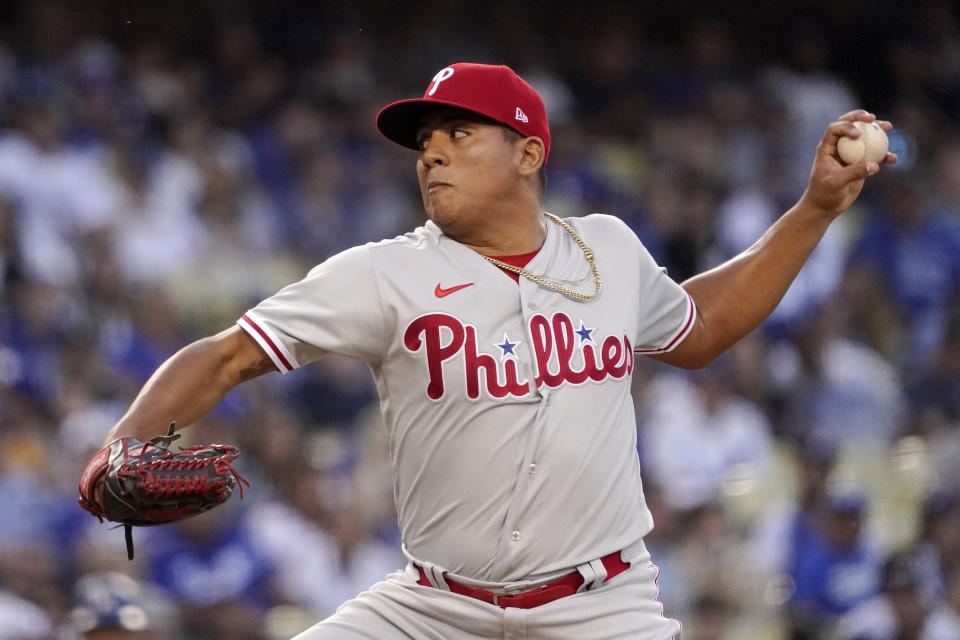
144, 483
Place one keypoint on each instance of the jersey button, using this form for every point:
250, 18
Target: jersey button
533, 469
515, 536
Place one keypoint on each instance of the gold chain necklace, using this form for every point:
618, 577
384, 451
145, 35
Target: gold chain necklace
551, 283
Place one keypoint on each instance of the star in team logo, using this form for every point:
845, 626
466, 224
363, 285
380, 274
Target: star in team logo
585, 333
507, 348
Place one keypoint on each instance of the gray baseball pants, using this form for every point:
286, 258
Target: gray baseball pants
398, 608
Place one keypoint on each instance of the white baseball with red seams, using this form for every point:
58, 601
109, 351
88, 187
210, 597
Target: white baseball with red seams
512, 427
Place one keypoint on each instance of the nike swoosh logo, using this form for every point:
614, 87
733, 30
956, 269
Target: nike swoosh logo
440, 292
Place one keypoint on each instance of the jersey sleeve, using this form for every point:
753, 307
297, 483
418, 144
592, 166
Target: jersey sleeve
667, 312
334, 309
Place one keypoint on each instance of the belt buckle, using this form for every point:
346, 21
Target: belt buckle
498, 598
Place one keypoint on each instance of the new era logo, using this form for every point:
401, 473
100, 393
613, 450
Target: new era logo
521, 116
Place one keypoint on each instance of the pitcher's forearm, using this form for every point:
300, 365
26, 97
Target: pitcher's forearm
191, 383
183, 389
736, 296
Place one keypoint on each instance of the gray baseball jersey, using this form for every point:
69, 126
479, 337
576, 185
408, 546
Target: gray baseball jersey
512, 428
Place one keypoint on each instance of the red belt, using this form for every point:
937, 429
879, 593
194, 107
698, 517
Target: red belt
565, 586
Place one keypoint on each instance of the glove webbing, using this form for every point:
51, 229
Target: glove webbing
171, 486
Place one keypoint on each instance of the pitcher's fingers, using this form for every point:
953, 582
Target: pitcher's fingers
858, 114
834, 132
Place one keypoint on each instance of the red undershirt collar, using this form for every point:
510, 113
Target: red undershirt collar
520, 260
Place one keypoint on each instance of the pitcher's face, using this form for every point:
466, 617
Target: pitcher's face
466, 166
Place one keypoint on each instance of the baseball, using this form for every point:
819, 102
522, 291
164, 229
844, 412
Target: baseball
871, 146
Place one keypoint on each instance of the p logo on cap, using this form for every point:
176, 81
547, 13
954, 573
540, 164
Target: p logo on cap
493, 91
444, 74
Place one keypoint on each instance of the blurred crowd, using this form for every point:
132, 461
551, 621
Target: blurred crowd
165, 167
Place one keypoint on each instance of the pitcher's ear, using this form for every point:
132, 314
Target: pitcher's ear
534, 154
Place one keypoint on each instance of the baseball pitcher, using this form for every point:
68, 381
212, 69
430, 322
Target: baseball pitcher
502, 340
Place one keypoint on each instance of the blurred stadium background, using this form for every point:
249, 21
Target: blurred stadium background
164, 166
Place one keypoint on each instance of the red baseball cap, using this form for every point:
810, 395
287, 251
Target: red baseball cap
494, 91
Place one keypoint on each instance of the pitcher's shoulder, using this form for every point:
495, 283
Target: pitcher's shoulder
600, 224
426, 235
